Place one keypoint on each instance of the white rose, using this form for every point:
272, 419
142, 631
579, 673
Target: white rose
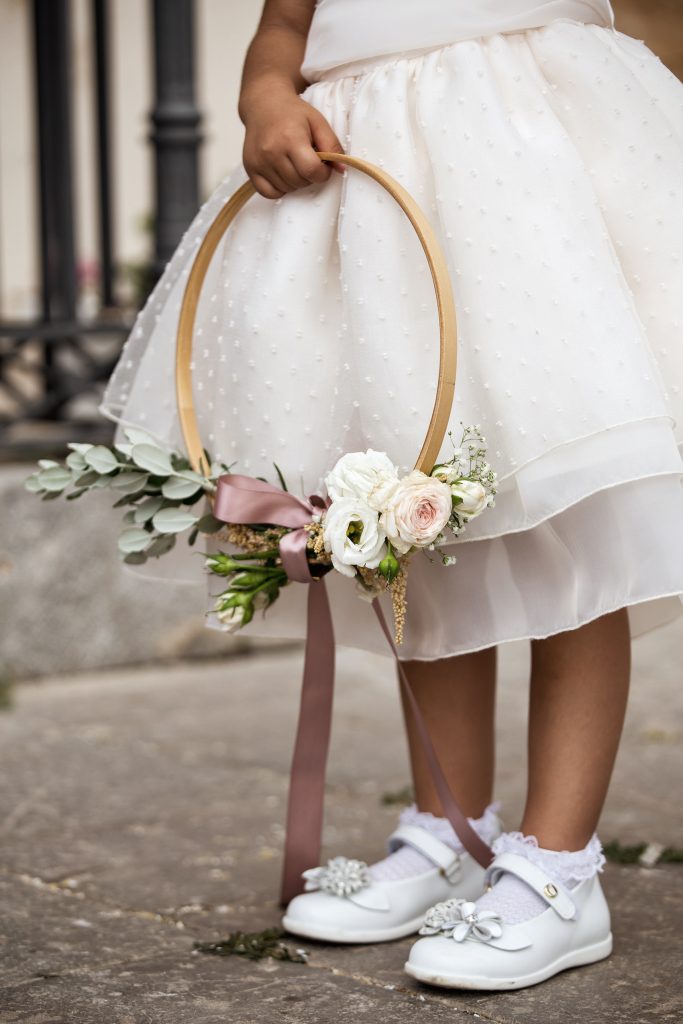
370, 476
231, 618
473, 496
447, 474
352, 532
419, 510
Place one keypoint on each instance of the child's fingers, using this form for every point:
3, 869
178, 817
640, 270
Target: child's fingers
309, 165
265, 188
324, 139
289, 169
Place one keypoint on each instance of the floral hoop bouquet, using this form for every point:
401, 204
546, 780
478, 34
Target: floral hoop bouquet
374, 522
366, 527
370, 525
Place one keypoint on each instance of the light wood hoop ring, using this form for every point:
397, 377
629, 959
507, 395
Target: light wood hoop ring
448, 332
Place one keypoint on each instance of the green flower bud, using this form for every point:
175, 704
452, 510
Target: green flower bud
389, 567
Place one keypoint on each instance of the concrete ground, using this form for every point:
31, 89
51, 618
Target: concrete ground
142, 811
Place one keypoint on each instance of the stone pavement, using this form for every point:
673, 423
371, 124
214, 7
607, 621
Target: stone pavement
142, 810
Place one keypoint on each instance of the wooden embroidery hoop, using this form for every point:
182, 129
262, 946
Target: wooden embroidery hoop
448, 332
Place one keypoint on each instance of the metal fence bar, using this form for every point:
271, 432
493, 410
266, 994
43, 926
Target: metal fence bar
100, 19
52, 368
51, 24
176, 123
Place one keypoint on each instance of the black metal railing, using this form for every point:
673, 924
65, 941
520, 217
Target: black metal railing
53, 368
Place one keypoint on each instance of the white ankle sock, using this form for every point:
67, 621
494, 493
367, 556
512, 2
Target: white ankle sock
407, 862
513, 899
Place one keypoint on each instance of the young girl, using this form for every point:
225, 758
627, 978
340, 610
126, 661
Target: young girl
546, 149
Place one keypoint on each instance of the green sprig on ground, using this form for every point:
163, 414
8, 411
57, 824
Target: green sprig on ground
254, 946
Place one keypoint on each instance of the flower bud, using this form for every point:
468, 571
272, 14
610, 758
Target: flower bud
389, 567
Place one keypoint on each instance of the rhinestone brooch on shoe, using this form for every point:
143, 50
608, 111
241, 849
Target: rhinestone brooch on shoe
349, 879
342, 876
459, 919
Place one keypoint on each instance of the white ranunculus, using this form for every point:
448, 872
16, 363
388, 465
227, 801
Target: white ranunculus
370, 476
473, 496
419, 510
352, 532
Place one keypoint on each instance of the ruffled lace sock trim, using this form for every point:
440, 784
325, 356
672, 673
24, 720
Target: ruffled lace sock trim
487, 826
407, 862
513, 899
566, 866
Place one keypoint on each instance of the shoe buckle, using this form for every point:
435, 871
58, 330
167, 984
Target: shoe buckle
452, 871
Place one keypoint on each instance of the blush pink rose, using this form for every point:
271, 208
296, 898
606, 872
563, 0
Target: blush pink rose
417, 512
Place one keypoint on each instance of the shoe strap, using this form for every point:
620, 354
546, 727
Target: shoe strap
445, 857
554, 894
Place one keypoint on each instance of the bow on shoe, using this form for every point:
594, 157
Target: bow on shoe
459, 919
349, 879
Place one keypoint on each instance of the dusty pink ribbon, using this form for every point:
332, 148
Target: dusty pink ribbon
247, 500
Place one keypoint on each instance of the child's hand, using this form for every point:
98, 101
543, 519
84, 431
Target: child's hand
283, 133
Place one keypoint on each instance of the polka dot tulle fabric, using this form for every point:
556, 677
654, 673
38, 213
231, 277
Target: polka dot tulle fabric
549, 162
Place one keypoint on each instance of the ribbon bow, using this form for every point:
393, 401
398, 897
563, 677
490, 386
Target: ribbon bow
247, 500
459, 919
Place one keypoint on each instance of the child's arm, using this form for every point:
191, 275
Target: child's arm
282, 130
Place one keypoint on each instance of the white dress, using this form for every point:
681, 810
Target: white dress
546, 147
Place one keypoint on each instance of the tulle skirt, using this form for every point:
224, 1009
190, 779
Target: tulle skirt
549, 162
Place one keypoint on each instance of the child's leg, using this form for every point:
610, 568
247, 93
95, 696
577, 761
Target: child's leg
579, 687
457, 699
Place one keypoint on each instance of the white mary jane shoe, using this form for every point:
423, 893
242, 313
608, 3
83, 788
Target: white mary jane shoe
469, 950
345, 904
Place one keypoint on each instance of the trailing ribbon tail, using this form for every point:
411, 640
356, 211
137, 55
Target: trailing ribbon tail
470, 839
307, 776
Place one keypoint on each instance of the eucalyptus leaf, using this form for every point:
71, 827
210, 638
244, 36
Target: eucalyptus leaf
151, 458
135, 557
54, 478
160, 545
33, 484
136, 435
76, 494
173, 520
178, 488
209, 524
47, 463
87, 479
146, 509
133, 540
101, 459
129, 499
76, 462
77, 446
129, 479
190, 474
124, 448
129, 516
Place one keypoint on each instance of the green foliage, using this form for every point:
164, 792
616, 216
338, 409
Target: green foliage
402, 797
158, 490
631, 854
254, 946
156, 487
